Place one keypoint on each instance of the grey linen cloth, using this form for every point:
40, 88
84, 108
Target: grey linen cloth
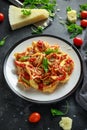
81, 95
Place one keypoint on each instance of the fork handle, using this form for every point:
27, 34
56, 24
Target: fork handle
16, 3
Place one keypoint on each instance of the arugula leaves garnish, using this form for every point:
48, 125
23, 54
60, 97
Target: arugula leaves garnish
56, 112
45, 4
26, 12
2, 41
38, 30
45, 64
74, 29
68, 8
83, 7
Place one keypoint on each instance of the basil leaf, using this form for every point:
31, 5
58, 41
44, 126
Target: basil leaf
56, 112
48, 51
23, 58
45, 64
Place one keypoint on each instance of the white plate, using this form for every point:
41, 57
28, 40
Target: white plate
33, 95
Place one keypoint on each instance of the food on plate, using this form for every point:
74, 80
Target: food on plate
17, 19
34, 117
66, 123
72, 16
43, 66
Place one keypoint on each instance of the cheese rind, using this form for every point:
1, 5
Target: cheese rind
18, 20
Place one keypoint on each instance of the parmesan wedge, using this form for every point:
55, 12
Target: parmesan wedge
18, 20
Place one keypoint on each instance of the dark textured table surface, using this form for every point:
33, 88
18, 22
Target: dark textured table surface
14, 111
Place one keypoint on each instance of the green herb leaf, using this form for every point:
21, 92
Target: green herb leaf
68, 9
48, 51
2, 41
74, 29
26, 12
45, 4
83, 7
45, 64
56, 112
38, 30
24, 58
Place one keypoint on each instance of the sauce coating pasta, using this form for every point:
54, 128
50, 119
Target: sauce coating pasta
43, 66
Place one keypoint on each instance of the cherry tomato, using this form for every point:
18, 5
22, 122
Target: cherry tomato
83, 14
83, 23
34, 117
1, 17
40, 43
32, 59
77, 41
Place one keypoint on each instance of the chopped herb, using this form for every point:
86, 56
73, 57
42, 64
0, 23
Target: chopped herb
24, 58
2, 41
26, 12
68, 9
38, 30
48, 51
45, 64
56, 112
83, 7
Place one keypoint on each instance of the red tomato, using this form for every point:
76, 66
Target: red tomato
41, 86
40, 43
77, 41
34, 117
1, 17
83, 23
83, 14
32, 59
